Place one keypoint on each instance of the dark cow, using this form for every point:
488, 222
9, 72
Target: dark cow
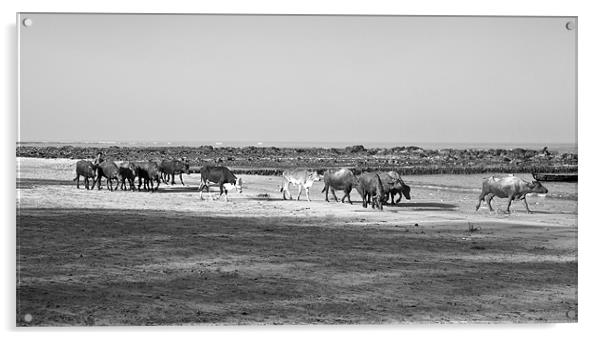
394, 185
222, 176
110, 171
127, 170
171, 168
370, 186
147, 171
86, 169
511, 187
342, 179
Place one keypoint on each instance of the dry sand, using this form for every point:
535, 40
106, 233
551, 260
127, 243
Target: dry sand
136, 258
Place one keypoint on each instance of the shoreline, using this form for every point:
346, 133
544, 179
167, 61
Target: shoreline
409, 160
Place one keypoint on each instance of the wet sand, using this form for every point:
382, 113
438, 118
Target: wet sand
137, 258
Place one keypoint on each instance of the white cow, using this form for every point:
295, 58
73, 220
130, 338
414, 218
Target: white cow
302, 178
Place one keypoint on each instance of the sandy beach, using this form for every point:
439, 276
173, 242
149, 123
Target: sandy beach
137, 258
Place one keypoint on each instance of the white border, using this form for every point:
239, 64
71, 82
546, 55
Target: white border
589, 164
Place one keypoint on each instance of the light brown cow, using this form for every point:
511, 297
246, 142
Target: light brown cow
511, 187
302, 178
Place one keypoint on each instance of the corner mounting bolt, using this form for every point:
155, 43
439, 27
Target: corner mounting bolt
27, 22
570, 25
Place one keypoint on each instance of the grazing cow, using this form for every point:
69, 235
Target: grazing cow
397, 187
370, 187
110, 171
127, 170
86, 169
147, 171
511, 187
302, 178
222, 176
171, 168
342, 179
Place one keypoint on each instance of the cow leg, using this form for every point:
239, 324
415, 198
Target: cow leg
326, 188
173, 177
87, 183
347, 194
287, 189
158, 182
527, 206
481, 197
99, 180
307, 194
509, 202
300, 189
488, 201
181, 180
333, 194
77, 181
221, 190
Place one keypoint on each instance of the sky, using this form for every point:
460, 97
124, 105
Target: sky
103, 77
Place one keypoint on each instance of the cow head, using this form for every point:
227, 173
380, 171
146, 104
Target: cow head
97, 160
405, 190
186, 165
238, 185
537, 187
315, 177
132, 168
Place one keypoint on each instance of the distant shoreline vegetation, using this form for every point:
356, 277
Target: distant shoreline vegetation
270, 160
561, 147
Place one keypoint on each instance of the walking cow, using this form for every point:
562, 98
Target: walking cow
127, 170
511, 187
370, 187
86, 169
110, 171
342, 179
393, 185
147, 171
220, 175
171, 168
302, 178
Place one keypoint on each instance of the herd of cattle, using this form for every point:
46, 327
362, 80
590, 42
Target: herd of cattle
375, 188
